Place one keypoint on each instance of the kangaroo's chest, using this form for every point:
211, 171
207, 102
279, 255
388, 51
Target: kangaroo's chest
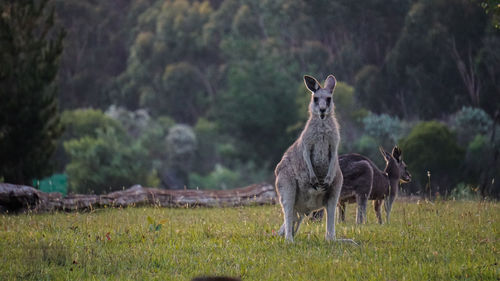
321, 152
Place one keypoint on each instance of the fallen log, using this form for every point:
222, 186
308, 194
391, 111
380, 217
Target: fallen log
16, 198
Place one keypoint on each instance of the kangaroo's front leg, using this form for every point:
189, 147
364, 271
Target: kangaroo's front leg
307, 157
332, 163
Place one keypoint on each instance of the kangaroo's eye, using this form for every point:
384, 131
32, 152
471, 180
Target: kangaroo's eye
315, 99
328, 100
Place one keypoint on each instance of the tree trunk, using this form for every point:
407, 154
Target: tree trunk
18, 198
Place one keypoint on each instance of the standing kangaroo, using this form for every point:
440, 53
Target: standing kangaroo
363, 181
308, 177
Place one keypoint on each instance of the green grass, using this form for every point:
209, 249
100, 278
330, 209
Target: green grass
443, 241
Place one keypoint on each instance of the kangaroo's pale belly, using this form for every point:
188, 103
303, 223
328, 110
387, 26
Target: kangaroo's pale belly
320, 158
310, 199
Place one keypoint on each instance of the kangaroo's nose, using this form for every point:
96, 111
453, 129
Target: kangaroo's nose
322, 110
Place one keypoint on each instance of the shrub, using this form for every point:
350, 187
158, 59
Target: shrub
80, 123
219, 178
134, 122
85, 122
431, 146
469, 122
384, 128
206, 152
105, 163
180, 148
464, 192
481, 169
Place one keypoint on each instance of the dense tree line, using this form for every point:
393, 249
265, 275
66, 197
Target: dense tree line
30, 47
232, 72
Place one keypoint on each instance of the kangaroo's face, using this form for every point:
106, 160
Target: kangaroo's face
395, 159
405, 174
321, 97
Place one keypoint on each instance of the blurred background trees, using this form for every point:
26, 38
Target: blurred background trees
225, 78
30, 47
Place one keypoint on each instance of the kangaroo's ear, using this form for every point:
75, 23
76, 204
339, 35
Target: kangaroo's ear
396, 153
386, 155
330, 83
311, 83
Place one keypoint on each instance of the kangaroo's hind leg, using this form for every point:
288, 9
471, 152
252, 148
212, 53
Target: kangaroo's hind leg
297, 223
287, 191
363, 189
342, 211
376, 206
361, 200
331, 206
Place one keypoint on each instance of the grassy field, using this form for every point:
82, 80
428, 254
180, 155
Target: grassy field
443, 241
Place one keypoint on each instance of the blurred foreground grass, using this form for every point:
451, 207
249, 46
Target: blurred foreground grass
446, 240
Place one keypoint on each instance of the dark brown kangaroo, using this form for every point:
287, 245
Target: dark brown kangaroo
363, 181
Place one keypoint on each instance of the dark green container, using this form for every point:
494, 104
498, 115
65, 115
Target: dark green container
54, 183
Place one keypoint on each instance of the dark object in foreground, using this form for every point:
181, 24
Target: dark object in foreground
18, 198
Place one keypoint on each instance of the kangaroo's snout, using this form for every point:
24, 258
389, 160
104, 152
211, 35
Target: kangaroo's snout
407, 178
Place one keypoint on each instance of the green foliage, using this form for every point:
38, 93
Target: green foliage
447, 240
260, 89
464, 192
169, 67
30, 47
492, 8
155, 226
135, 122
468, 122
80, 123
96, 48
384, 128
233, 71
219, 178
436, 50
431, 146
207, 139
105, 163
488, 69
481, 168
477, 155
180, 146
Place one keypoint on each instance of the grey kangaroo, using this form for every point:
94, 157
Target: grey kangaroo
308, 177
363, 181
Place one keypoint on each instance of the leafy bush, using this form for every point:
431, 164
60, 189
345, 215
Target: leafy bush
206, 152
85, 122
219, 178
134, 122
383, 127
105, 163
180, 150
464, 192
468, 122
481, 169
431, 146
80, 123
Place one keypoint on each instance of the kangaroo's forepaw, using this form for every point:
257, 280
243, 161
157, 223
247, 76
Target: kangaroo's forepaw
314, 180
328, 180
